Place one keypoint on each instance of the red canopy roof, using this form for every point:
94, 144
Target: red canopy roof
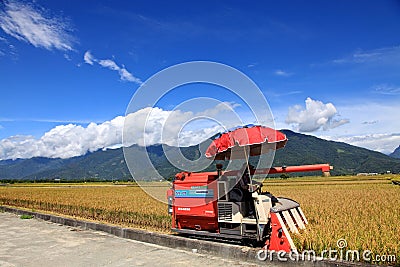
256, 140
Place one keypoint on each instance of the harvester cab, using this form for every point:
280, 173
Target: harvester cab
213, 204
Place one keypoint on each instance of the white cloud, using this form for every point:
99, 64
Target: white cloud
7, 49
127, 76
282, 73
33, 25
370, 122
3, 44
147, 126
64, 141
390, 54
67, 57
373, 125
386, 89
282, 93
150, 126
108, 63
88, 58
252, 65
385, 143
124, 74
315, 116
219, 108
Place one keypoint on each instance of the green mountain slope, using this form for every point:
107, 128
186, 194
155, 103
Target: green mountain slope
396, 153
107, 164
110, 164
14, 169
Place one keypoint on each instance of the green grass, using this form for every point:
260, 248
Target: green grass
26, 216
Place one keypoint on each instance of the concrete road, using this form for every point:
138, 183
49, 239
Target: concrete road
33, 242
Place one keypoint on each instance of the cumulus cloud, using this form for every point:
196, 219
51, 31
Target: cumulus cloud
124, 74
34, 25
373, 125
64, 141
150, 126
314, 116
147, 126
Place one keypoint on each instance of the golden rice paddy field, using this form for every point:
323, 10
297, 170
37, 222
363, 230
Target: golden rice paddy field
364, 210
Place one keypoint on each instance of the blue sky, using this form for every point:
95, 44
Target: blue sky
66, 64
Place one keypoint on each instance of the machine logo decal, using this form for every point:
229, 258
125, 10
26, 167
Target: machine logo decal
191, 193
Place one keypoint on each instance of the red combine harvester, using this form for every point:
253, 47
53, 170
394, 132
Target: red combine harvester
229, 204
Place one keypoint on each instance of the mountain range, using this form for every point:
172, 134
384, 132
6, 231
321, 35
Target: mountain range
110, 164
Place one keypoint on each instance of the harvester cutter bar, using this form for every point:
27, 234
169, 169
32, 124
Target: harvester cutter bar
290, 217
